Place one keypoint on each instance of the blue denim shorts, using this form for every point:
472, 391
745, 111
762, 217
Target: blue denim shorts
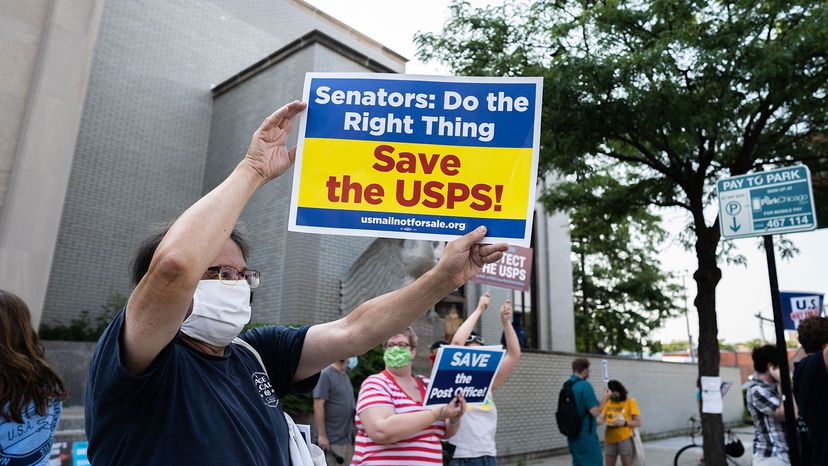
479, 461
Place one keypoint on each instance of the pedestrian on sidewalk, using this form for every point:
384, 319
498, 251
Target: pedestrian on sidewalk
31, 392
585, 448
333, 412
770, 447
621, 415
809, 384
475, 440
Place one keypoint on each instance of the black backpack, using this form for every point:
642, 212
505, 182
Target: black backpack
567, 417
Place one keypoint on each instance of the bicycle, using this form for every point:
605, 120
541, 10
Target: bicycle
693, 454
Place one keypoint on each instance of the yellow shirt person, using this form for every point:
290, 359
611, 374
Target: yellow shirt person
623, 411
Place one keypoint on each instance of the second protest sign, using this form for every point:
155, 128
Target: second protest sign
417, 157
467, 369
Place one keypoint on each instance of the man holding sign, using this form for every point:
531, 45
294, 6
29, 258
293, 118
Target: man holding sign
166, 379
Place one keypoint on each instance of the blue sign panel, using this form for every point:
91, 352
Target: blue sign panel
799, 305
467, 369
766, 203
79, 454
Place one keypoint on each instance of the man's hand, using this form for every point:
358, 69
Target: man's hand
268, 155
483, 302
323, 442
464, 258
506, 313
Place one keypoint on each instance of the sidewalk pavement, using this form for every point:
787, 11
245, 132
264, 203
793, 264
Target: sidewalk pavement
661, 452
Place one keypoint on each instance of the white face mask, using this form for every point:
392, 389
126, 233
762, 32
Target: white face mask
219, 312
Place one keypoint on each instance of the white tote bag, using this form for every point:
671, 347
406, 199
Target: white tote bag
638, 449
301, 453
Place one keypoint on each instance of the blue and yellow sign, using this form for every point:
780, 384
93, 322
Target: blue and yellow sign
417, 157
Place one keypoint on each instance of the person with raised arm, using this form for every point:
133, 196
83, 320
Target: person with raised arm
475, 440
168, 385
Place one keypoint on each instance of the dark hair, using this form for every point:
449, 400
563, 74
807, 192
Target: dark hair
27, 377
580, 364
813, 333
764, 355
437, 344
616, 386
145, 251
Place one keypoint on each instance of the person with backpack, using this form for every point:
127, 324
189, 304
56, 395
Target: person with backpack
577, 409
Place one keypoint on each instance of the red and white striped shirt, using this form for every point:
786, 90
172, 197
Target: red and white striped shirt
422, 448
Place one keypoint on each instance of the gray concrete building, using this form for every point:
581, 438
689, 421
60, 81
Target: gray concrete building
118, 115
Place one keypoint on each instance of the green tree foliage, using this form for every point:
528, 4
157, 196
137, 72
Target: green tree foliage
681, 92
85, 327
621, 294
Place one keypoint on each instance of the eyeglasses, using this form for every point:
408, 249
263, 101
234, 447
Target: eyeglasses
475, 339
397, 345
230, 275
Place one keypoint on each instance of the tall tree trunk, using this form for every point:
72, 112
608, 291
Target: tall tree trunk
707, 277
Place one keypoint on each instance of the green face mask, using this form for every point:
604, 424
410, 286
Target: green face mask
396, 357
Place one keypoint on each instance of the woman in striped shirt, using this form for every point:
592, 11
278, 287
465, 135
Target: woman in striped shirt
393, 426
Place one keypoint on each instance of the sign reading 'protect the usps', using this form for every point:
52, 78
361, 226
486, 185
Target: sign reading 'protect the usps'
420, 157
467, 369
766, 203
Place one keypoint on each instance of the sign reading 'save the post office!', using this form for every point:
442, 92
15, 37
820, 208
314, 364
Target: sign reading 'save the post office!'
420, 157
469, 370
766, 203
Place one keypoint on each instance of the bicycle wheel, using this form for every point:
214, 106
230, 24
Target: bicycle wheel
689, 455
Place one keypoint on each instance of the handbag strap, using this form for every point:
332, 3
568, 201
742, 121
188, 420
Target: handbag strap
250, 348
299, 450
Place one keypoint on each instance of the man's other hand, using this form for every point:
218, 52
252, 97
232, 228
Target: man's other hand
464, 257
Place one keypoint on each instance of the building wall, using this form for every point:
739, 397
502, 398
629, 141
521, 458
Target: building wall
665, 392
45, 62
141, 151
21, 33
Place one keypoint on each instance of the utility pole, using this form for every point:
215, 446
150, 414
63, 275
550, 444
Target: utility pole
762, 321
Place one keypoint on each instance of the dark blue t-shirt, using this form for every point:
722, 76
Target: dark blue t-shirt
809, 383
192, 408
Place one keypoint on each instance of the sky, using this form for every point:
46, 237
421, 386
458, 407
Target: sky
743, 291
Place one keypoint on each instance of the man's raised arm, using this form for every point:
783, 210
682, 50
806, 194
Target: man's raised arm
160, 301
379, 318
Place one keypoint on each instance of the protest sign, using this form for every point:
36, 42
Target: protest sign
469, 369
422, 157
513, 270
799, 305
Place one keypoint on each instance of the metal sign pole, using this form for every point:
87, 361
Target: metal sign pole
782, 349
